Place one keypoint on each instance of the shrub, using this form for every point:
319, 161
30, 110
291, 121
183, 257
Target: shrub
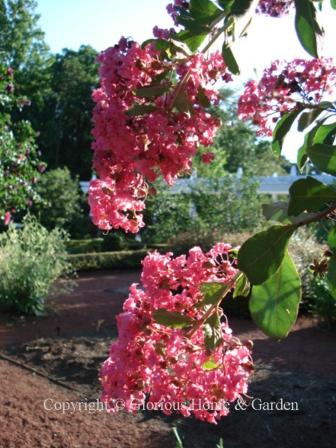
304, 249
61, 199
225, 205
32, 259
84, 246
126, 259
322, 303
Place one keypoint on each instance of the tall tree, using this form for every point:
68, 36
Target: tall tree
66, 125
23, 48
236, 145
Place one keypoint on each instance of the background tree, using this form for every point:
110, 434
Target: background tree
65, 137
236, 145
22, 47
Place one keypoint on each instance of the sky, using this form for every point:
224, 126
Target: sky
100, 23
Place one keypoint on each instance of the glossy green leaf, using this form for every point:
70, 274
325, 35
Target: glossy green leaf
325, 134
331, 276
152, 91
309, 195
182, 103
141, 109
238, 7
323, 157
160, 44
282, 128
307, 118
230, 60
278, 212
275, 303
192, 39
210, 364
260, 256
202, 98
306, 26
332, 238
212, 292
213, 335
171, 319
204, 10
242, 288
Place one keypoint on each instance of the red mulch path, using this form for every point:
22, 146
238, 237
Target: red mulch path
302, 367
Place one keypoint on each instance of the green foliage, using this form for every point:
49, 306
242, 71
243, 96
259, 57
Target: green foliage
306, 26
22, 46
31, 261
61, 199
166, 215
274, 304
236, 145
19, 163
322, 303
127, 259
282, 128
171, 319
261, 256
65, 121
309, 195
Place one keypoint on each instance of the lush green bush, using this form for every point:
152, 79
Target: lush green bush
127, 259
61, 204
322, 303
166, 215
85, 246
212, 207
32, 259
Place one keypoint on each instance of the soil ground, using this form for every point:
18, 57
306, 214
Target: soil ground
70, 343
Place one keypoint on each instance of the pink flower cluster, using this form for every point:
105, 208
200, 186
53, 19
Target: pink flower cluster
274, 8
134, 148
286, 86
157, 364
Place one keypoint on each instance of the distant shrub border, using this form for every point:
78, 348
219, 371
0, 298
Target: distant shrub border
126, 259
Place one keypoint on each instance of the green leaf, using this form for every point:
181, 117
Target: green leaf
237, 7
160, 44
141, 109
212, 292
210, 364
331, 276
152, 91
274, 304
282, 128
278, 211
192, 39
333, 3
316, 135
260, 256
307, 118
323, 157
242, 288
213, 335
202, 99
172, 319
204, 10
332, 238
182, 103
309, 195
230, 60
306, 26
325, 134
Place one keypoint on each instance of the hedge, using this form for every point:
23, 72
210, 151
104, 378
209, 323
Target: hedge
127, 259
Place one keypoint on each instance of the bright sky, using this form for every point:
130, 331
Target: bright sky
100, 23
